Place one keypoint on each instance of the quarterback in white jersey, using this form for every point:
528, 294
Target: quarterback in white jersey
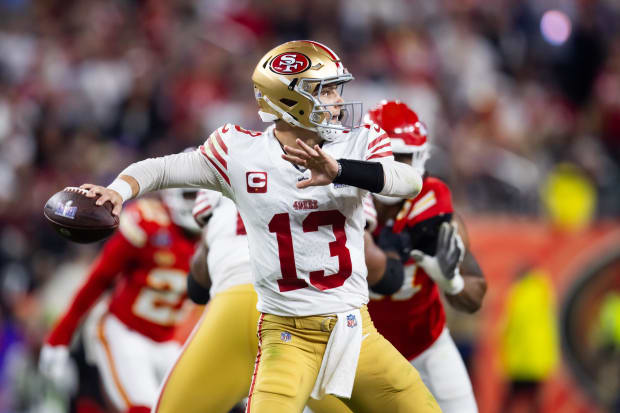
316, 232
299, 189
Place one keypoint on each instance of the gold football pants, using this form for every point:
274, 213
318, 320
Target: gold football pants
214, 371
290, 355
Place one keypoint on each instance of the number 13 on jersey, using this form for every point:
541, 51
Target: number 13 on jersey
280, 224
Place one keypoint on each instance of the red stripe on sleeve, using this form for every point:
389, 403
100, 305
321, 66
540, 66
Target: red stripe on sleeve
376, 141
217, 154
221, 142
380, 155
378, 148
215, 165
201, 211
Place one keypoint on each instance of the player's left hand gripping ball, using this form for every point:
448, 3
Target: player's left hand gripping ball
78, 218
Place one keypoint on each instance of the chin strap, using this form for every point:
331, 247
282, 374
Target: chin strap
267, 117
325, 132
285, 116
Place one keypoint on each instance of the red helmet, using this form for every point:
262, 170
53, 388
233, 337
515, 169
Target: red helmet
407, 132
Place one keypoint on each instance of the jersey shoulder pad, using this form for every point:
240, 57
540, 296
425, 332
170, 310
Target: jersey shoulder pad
378, 144
215, 150
439, 187
143, 218
229, 131
434, 200
245, 132
219, 137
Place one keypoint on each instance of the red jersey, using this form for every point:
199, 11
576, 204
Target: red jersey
413, 317
146, 263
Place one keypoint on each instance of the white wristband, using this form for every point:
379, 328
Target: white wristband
455, 285
122, 187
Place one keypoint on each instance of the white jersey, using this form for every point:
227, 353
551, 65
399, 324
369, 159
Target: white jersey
306, 245
228, 258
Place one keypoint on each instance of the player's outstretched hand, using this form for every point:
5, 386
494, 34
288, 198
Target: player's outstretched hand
450, 249
105, 194
56, 366
323, 167
450, 253
443, 268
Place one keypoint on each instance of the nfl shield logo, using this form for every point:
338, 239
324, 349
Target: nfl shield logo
351, 321
285, 336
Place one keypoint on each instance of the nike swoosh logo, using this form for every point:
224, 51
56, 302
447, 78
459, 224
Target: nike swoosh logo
225, 129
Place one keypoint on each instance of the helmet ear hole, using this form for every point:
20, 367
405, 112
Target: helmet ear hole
288, 102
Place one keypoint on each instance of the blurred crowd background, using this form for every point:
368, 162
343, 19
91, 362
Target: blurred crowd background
521, 99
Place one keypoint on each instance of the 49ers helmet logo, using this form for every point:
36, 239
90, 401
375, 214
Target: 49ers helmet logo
290, 63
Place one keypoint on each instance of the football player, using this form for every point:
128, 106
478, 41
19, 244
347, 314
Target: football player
145, 264
298, 187
421, 240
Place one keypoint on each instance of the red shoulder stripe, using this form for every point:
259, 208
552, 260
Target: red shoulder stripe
375, 150
202, 150
380, 155
217, 154
377, 140
221, 142
201, 211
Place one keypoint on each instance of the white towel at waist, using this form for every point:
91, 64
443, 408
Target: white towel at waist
339, 364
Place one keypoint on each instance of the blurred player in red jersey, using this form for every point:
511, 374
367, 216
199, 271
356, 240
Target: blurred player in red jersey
419, 238
145, 264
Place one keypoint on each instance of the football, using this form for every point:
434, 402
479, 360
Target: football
76, 217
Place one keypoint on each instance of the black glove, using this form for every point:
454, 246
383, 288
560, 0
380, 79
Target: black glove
399, 243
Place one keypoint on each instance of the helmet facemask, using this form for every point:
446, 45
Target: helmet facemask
328, 125
419, 156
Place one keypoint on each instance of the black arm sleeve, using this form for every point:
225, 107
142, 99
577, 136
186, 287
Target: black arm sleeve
196, 292
392, 279
361, 174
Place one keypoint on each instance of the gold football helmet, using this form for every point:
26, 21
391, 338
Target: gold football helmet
288, 82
